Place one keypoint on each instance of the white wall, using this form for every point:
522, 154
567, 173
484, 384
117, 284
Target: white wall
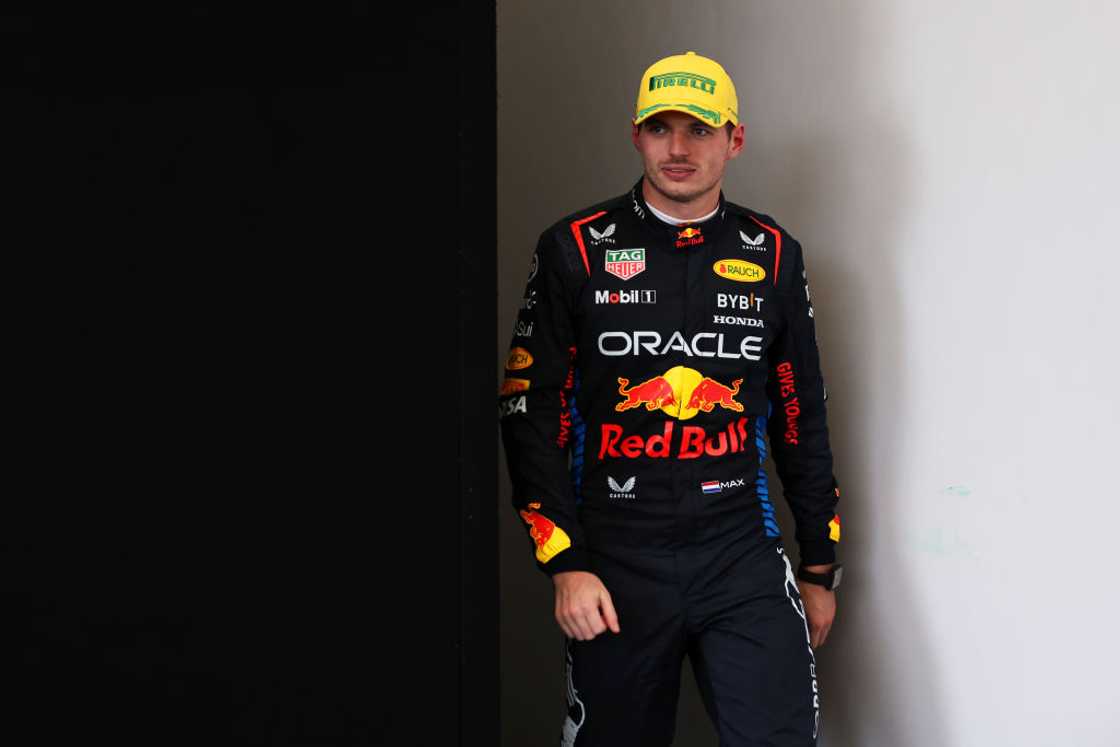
950, 170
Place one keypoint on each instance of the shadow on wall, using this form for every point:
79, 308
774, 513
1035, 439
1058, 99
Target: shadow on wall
844, 196
863, 345
847, 191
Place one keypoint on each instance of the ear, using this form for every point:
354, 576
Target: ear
635, 129
735, 145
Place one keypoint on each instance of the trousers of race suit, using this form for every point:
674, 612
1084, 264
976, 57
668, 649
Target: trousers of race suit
740, 620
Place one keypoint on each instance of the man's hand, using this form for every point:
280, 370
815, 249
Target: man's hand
820, 606
583, 605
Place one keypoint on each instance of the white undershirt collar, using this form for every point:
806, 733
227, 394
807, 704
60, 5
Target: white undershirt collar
678, 221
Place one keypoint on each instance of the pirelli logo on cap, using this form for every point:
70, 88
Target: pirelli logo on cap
684, 80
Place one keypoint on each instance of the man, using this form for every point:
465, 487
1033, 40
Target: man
663, 334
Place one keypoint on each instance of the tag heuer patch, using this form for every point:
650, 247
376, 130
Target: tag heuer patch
626, 263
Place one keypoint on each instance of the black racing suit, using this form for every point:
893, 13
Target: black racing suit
648, 364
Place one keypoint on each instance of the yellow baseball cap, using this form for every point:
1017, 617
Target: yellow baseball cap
688, 83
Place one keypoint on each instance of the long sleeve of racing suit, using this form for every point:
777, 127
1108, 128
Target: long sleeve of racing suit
534, 405
797, 428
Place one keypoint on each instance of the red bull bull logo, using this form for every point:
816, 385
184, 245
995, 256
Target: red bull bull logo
689, 237
654, 393
834, 528
549, 538
709, 393
680, 392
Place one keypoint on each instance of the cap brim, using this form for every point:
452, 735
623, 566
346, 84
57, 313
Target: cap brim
709, 117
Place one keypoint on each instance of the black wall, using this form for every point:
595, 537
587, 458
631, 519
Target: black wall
253, 498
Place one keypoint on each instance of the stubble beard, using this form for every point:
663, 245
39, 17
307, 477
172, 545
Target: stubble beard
673, 191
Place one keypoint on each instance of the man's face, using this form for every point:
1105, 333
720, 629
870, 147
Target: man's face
683, 156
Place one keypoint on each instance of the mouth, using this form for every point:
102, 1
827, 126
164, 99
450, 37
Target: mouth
678, 172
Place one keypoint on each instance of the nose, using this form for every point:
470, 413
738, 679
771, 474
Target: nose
678, 143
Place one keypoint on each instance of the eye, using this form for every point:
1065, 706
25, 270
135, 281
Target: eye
702, 131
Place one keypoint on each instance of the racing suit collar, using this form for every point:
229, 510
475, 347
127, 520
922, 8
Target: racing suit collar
645, 215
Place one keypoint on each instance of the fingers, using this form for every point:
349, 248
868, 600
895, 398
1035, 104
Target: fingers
562, 620
581, 625
588, 622
572, 622
594, 622
818, 634
609, 614
583, 617
576, 619
820, 611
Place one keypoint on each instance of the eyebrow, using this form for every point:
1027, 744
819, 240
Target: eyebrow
694, 123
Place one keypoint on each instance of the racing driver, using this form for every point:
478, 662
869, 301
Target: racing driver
664, 334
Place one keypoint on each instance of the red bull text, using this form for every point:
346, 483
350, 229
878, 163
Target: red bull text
695, 441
